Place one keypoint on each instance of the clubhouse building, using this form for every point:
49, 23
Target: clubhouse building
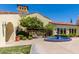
65, 28
9, 21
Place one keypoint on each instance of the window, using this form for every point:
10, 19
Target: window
57, 30
19, 7
64, 30
70, 31
22, 8
61, 31
75, 31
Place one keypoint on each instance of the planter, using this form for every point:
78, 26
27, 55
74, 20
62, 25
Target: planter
17, 38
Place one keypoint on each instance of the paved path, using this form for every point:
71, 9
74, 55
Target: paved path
21, 42
43, 47
39, 46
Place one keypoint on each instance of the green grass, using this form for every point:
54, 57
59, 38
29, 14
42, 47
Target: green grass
25, 49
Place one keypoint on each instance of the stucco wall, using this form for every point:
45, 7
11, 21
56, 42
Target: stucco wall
10, 18
65, 26
42, 18
4, 19
14, 19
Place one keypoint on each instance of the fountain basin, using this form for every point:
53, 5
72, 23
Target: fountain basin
58, 39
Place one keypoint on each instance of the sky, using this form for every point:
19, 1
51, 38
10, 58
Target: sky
56, 12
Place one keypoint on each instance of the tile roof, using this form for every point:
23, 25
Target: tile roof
61, 23
3, 12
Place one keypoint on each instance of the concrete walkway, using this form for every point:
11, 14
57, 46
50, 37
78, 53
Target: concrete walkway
40, 46
18, 43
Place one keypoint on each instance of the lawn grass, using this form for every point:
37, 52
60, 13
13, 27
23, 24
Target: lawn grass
24, 49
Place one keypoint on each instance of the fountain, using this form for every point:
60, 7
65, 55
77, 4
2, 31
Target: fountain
58, 38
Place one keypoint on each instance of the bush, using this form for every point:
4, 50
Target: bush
21, 33
22, 37
64, 35
72, 35
77, 35
30, 37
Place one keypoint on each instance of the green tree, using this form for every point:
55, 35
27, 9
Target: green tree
49, 29
31, 23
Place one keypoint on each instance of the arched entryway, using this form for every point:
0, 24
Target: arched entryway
9, 30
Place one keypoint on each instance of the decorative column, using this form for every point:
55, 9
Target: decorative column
14, 34
54, 32
67, 31
2, 35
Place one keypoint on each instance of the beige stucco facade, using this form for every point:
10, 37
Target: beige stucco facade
67, 27
9, 23
5, 19
42, 18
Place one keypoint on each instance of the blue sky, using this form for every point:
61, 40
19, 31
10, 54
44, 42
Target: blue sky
56, 12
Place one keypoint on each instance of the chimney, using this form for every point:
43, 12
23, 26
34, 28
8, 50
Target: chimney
22, 10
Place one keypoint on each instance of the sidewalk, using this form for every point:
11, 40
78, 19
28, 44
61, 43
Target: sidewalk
39, 46
17, 43
43, 47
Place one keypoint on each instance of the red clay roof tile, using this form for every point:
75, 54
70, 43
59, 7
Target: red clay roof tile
1, 12
61, 23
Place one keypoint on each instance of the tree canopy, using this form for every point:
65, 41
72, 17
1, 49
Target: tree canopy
49, 27
31, 23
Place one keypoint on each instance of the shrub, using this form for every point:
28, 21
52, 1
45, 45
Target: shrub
77, 35
22, 37
72, 35
30, 37
21, 33
65, 35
